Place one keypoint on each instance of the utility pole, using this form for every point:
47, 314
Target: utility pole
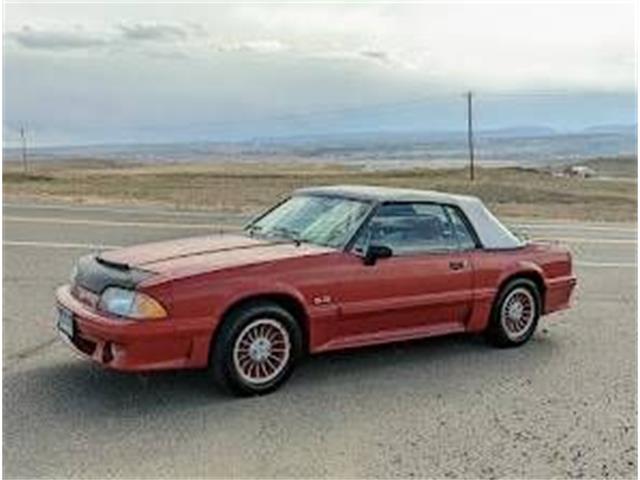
470, 134
23, 137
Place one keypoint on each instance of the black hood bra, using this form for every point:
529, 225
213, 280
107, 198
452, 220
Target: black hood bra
95, 274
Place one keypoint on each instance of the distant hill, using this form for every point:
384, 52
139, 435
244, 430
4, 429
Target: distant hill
519, 132
613, 128
626, 167
518, 145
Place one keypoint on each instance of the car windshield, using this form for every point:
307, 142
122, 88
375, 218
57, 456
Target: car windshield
321, 220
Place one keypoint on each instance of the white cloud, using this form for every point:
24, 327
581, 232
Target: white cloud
377, 55
490, 46
60, 36
215, 62
253, 46
57, 38
158, 31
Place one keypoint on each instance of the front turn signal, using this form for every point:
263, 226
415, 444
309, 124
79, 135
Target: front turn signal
131, 304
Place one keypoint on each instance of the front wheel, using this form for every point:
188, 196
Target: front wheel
256, 349
515, 314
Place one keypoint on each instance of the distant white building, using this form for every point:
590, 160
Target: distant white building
581, 171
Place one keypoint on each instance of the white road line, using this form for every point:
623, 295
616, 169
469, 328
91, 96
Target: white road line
586, 240
141, 211
570, 226
605, 264
205, 214
230, 227
219, 226
89, 246
83, 246
110, 223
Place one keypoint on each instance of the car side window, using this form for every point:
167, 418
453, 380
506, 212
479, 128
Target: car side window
409, 228
466, 239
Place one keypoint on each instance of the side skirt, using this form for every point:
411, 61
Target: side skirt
389, 336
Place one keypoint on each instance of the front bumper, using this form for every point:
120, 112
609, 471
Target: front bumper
129, 345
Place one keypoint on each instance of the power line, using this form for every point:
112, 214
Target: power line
552, 94
379, 108
311, 114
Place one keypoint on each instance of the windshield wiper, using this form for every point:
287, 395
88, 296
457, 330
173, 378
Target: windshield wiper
253, 229
287, 233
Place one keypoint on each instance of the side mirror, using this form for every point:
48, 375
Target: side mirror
376, 252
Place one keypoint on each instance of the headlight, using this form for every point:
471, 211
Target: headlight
131, 304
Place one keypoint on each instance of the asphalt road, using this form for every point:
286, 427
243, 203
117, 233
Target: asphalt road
562, 406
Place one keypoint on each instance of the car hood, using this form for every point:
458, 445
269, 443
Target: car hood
200, 254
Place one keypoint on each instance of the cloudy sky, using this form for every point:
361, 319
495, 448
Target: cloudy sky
78, 74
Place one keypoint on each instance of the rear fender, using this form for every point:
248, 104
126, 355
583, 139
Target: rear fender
485, 298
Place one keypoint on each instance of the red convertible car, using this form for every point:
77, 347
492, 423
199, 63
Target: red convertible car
328, 268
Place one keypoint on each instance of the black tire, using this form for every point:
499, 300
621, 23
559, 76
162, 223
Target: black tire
497, 332
222, 362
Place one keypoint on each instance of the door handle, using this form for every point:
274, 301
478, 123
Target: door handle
457, 264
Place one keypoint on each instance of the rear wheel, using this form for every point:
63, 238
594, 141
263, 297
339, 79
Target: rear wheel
256, 349
515, 314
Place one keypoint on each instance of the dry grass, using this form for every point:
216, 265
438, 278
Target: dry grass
249, 186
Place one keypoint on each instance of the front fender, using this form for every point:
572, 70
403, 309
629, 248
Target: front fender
252, 288
200, 304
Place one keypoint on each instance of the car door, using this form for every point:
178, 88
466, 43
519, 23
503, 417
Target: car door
426, 285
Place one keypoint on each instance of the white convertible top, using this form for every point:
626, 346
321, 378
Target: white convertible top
491, 232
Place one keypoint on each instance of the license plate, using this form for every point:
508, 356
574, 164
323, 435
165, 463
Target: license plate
65, 322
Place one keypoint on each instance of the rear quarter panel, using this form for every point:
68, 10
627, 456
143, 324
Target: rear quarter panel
549, 265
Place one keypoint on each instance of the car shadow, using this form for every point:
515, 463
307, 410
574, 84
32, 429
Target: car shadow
80, 388
426, 358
